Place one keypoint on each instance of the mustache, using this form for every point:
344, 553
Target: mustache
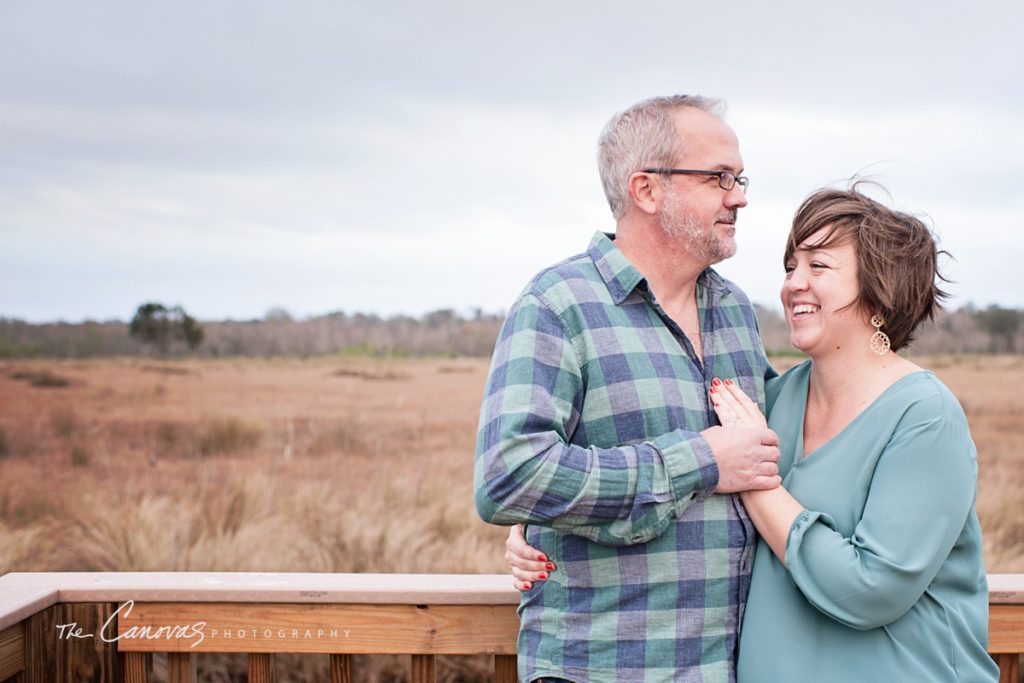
727, 217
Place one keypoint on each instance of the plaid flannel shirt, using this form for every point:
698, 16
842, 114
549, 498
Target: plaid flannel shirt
589, 434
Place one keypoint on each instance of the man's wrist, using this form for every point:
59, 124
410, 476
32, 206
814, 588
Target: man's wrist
690, 464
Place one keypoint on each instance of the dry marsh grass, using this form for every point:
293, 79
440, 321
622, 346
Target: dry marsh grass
40, 378
324, 465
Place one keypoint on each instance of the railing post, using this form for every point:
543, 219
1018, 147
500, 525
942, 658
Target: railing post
181, 667
505, 669
1009, 668
341, 668
91, 659
12, 651
136, 667
261, 667
423, 669
41, 646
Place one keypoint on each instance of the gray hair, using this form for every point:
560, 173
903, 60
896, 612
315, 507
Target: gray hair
643, 136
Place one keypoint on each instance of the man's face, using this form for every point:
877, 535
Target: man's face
708, 241
695, 210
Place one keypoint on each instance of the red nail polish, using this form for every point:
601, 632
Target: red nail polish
550, 566
542, 558
527, 586
728, 381
717, 381
542, 576
711, 390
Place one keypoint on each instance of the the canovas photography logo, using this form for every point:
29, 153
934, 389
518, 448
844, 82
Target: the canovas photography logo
197, 632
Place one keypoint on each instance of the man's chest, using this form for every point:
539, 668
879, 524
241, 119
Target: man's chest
641, 382
687, 320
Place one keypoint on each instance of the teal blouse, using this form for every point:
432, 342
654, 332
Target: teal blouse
885, 580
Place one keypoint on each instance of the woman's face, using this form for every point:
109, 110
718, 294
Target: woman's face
820, 286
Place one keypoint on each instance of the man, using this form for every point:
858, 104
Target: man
596, 431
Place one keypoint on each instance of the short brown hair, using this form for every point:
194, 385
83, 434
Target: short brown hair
897, 257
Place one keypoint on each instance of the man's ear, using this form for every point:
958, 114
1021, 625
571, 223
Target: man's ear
645, 192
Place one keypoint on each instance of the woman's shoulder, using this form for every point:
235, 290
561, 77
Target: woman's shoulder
921, 396
926, 423
927, 432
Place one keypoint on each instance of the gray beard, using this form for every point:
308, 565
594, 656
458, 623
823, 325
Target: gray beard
697, 240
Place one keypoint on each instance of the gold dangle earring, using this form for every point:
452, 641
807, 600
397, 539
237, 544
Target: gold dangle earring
879, 340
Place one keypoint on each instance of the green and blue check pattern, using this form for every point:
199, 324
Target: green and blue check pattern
589, 434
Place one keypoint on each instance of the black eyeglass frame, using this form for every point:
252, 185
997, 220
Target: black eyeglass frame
726, 179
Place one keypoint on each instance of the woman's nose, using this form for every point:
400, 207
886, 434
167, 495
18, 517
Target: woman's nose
797, 280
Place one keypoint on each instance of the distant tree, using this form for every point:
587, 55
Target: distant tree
278, 314
160, 326
1001, 324
439, 318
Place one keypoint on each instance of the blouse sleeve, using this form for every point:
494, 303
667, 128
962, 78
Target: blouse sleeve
920, 496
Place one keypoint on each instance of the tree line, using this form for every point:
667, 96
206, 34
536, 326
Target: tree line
158, 330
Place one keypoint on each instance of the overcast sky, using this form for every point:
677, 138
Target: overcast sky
401, 157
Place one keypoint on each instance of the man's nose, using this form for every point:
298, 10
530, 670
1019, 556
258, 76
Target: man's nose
735, 198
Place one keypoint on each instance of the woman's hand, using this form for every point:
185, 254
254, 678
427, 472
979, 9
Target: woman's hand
772, 511
733, 407
528, 564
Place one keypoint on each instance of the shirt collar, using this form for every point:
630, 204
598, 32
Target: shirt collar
621, 277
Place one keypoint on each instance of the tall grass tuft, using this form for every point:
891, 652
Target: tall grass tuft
79, 456
65, 421
41, 378
223, 435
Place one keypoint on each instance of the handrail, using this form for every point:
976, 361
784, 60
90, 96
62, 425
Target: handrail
22, 593
421, 615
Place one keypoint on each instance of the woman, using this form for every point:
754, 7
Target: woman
869, 565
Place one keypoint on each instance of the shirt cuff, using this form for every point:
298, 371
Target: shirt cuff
690, 464
801, 526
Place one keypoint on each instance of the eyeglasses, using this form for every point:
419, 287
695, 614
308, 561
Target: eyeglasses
726, 180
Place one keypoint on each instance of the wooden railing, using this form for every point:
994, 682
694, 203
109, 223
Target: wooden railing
104, 627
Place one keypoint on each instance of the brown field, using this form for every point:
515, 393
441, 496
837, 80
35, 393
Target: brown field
328, 465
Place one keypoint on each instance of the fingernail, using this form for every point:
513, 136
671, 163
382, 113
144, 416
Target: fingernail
716, 381
527, 586
711, 390
542, 558
542, 576
550, 566
728, 381
717, 404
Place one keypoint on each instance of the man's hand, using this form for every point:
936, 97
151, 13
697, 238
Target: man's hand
747, 458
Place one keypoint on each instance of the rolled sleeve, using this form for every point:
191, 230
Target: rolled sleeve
691, 466
920, 497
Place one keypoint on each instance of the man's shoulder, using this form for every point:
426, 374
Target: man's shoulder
566, 283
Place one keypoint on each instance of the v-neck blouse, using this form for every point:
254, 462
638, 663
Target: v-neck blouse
885, 579
835, 441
